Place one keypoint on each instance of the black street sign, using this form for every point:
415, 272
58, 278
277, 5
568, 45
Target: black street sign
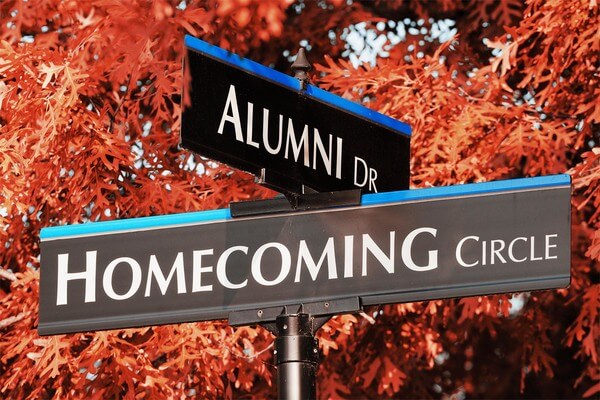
396, 247
258, 120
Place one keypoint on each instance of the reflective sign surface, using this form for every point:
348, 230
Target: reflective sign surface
403, 246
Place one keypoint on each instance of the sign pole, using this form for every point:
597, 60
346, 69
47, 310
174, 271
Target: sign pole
296, 357
296, 352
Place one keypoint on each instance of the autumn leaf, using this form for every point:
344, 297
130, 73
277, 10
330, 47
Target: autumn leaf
50, 71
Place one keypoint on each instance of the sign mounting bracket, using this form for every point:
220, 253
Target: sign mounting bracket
268, 315
296, 202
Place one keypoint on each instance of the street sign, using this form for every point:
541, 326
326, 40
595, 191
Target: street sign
401, 246
258, 120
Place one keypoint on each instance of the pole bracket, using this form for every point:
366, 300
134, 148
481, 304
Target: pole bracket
293, 202
268, 315
295, 339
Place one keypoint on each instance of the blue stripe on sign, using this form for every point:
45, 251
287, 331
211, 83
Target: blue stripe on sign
120, 225
292, 83
467, 189
368, 199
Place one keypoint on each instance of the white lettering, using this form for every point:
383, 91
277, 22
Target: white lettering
371, 246
198, 270
550, 246
222, 268
348, 256
163, 283
496, 251
510, 249
249, 126
318, 144
234, 118
271, 150
338, 159
459, 251
63, 277
432, 262
314, 268
484, 252
286, 263
533, 257
297, 145
372, 179
136, 278
356, 182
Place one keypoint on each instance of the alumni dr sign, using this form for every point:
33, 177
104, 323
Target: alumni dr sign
259, 120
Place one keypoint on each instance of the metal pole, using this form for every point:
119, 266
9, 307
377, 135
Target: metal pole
296, 357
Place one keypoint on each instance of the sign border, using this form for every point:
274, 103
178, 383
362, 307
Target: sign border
549, 281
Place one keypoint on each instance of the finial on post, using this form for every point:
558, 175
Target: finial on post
300, 68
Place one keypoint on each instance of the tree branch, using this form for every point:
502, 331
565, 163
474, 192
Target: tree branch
7, 275
11, 320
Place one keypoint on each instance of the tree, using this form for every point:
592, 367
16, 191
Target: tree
89, 126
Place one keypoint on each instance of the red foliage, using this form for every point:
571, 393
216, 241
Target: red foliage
90, 98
